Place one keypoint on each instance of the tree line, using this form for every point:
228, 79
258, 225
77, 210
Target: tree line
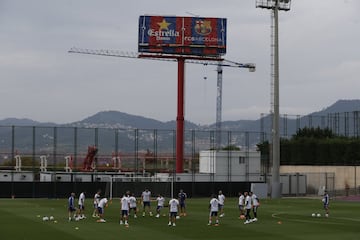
316, 146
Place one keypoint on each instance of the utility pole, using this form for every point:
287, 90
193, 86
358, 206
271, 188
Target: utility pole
275, 6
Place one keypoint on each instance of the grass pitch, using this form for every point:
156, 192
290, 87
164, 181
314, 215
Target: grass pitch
278, 219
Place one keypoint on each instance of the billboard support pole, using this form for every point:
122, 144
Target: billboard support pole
180, 116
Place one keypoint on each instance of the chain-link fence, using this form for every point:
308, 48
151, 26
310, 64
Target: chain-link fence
39, 148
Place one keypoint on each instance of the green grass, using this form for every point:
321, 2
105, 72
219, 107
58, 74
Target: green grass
19, 220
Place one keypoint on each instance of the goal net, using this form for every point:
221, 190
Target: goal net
117, 186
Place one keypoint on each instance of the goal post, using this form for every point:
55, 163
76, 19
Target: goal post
116, 186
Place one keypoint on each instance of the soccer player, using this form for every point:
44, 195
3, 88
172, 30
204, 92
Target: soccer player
124, 210
81, 208
248, 207
101, 209
146, 198
173, 210
160, 204
96, 202
221, 198
214, 209
326, 200
182, 198
241, 205
71, 205
132, 204
256, 203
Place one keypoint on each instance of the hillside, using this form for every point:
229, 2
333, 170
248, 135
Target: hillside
116, 119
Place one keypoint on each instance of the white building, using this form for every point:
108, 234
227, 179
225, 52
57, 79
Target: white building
231, 165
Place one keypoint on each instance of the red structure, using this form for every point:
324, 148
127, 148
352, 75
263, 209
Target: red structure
89, 159
180, 117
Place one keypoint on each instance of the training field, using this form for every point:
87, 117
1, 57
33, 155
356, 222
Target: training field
278, 219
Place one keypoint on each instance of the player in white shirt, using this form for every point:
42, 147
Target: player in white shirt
132, 205
326, 201
173, 210
160, 204
248, 206
221, 198
214, 209
256, 203
241, 205
101, 209
146, 198
124, 210
96, 202
81, 208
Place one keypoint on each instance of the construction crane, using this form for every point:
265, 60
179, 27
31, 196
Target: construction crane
208, 61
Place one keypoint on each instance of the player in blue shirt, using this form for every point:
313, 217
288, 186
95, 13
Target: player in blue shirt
182, 198
71, 205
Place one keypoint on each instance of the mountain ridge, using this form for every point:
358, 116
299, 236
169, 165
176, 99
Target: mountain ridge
117, 119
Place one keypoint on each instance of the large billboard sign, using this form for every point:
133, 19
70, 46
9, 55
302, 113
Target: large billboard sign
198, 36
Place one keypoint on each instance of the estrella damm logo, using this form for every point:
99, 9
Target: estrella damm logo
163, 32
203, 27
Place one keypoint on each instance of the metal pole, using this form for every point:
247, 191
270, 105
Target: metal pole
219, 107
180, 117
276, 187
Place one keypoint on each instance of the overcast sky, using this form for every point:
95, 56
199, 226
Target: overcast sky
319, 60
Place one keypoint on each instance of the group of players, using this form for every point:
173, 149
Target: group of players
248, 205
248, 202
128, 206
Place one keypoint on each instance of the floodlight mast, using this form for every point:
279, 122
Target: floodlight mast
275, 6
181, 62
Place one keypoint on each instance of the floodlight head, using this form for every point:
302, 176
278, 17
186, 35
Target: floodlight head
271, 4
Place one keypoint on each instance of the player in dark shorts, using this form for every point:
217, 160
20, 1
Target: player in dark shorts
182, 202
71, 206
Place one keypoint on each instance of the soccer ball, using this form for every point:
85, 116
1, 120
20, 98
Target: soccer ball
51, 218
45, 218
313, 215
177, 217
318, 215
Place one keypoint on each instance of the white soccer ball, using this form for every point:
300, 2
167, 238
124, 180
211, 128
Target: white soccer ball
313, 215
45, 218
51, 218
177, 217
318, 215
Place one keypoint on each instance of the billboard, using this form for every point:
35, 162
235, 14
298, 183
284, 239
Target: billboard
198, 36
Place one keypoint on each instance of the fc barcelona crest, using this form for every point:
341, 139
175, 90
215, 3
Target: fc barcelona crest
203, 27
